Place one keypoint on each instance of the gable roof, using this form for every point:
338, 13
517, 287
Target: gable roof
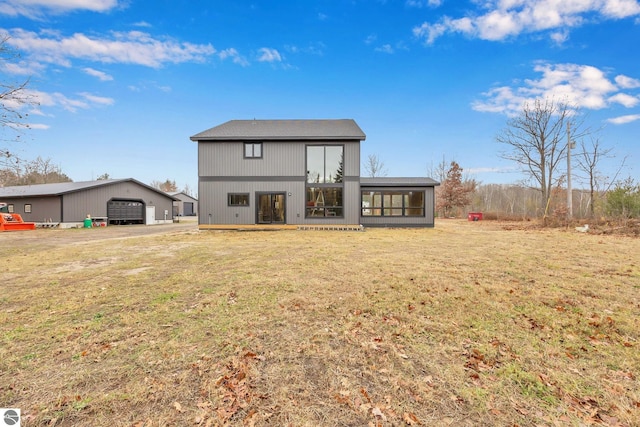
181, 195
60, 188
283, 130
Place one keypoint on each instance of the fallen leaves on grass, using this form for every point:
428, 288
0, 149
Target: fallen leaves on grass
235, 390
411, 419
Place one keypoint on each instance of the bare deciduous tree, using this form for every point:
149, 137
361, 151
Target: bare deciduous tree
38, 171
374, 166
187, 190
588, 159
536, 141
13, 97
439, 172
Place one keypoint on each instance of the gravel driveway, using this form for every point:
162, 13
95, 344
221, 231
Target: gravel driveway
60, 237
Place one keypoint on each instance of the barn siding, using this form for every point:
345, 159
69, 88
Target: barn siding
93, 201
74, 205
179, 205
43, 209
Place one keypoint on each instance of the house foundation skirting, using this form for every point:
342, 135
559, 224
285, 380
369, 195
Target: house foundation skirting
273, 227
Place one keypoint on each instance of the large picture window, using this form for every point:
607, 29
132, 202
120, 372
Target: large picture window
324, 164
393, 203
324, 201
325, 187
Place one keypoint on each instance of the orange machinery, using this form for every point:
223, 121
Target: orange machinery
14, 222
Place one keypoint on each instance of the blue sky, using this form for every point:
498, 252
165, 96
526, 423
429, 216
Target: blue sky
123, 84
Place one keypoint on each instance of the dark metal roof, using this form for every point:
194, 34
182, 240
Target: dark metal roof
283, 130
60, 188
397, 182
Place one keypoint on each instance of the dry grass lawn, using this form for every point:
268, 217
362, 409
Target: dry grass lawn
466, 324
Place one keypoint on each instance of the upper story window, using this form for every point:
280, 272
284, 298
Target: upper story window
325, 164
253, 150
325, 181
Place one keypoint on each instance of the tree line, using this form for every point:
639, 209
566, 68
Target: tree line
539, 141
45, 171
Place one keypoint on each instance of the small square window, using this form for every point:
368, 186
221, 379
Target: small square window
235, 199
10, 209
253, 150
27, 208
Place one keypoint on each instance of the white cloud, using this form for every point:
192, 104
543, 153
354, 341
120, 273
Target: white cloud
430, 32
625, 100
620, 8
624, 119
38, 126
503, 19
102, 76
99, 100
385, 48
627, 82
267, 54
38, 8
500, 100
317, 48
30, 126
581, 86
234, 55
423, 3
23, 68
559, 37
142, 24
133, 47
56, 99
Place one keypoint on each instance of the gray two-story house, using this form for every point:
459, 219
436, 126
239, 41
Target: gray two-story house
299, 172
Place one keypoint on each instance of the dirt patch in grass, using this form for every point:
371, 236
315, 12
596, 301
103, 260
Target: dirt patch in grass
469, 323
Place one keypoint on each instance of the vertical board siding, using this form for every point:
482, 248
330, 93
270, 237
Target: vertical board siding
220, 162
93, 201
74, 207
214, 208
278, 159
43, 209
227, 159
352, 159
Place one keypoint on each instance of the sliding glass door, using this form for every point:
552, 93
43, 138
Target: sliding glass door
270, 208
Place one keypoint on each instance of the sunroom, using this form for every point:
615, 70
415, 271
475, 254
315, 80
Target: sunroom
397, 202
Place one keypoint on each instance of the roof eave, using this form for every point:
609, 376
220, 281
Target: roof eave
276, 138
